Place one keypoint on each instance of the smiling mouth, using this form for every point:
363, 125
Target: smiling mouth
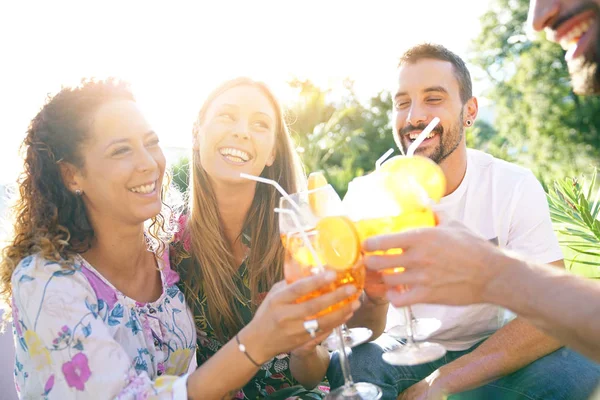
414, 135
573, 35
235, 155
144, 189
572, 32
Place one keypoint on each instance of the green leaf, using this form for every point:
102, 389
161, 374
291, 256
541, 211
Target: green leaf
592, 184
584, 262
580, 245
581, 251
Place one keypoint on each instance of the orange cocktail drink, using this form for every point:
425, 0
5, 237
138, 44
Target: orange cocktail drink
312, 239
379, 226
393, 199
300, 263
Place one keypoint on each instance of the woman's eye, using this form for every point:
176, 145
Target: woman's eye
120, 151
153, 142
261, 124
225, 116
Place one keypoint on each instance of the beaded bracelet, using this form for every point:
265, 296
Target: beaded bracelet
242, 348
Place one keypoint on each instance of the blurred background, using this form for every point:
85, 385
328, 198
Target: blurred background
332, 64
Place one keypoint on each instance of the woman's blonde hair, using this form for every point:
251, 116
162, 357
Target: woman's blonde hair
212, 268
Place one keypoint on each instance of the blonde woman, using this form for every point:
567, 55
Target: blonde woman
233, 237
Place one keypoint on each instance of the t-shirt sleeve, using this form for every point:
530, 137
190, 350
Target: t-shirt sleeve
531, 234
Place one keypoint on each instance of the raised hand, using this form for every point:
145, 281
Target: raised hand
281, 320
447, 264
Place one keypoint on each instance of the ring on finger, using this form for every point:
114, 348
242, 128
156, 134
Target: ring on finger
312, 327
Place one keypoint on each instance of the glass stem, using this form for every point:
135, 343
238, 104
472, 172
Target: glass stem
409, 325
344, 363
345, 331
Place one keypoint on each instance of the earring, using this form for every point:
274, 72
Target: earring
78, 192
469, 122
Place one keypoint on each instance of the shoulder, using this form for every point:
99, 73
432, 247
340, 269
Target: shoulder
35, 266
35, 272
510, 175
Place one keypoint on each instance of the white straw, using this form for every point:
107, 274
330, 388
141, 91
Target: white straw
305, 238
277, 186
413, 147
384, 157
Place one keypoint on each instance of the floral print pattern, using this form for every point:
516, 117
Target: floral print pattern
77, 371
76, 335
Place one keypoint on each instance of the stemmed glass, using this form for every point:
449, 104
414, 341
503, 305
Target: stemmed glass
375, 212
299, 215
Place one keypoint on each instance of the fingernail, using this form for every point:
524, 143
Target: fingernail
351, 289
355, 305
330, 276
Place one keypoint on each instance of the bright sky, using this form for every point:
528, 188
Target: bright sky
175, 52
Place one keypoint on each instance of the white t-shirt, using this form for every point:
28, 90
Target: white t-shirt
503, 203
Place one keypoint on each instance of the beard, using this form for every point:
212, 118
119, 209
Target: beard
585, 70
449, 140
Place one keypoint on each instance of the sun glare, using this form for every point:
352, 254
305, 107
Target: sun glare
175, 53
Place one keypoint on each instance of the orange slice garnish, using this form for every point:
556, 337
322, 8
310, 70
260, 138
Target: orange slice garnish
408, 177
318, 199
339, 243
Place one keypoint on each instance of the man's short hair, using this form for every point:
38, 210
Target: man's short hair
438, 52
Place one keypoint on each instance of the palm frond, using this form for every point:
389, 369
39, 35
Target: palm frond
574, 208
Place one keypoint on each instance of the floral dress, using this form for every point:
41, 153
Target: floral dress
77, 336
274, 379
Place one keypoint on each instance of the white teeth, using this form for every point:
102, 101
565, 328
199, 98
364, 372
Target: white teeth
144, 189
239, 154
413, 136
574, 34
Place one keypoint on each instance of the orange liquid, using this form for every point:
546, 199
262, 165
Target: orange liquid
371, 227
300, 262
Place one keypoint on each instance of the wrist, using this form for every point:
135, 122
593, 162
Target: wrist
254, 344
445, 380
502, 268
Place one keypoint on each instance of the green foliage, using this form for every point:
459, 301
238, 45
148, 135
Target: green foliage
574, 208
484, 137
539, 121
342, 138
180, 173
541, 124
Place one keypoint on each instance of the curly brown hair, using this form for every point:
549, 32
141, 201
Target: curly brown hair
48, 218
